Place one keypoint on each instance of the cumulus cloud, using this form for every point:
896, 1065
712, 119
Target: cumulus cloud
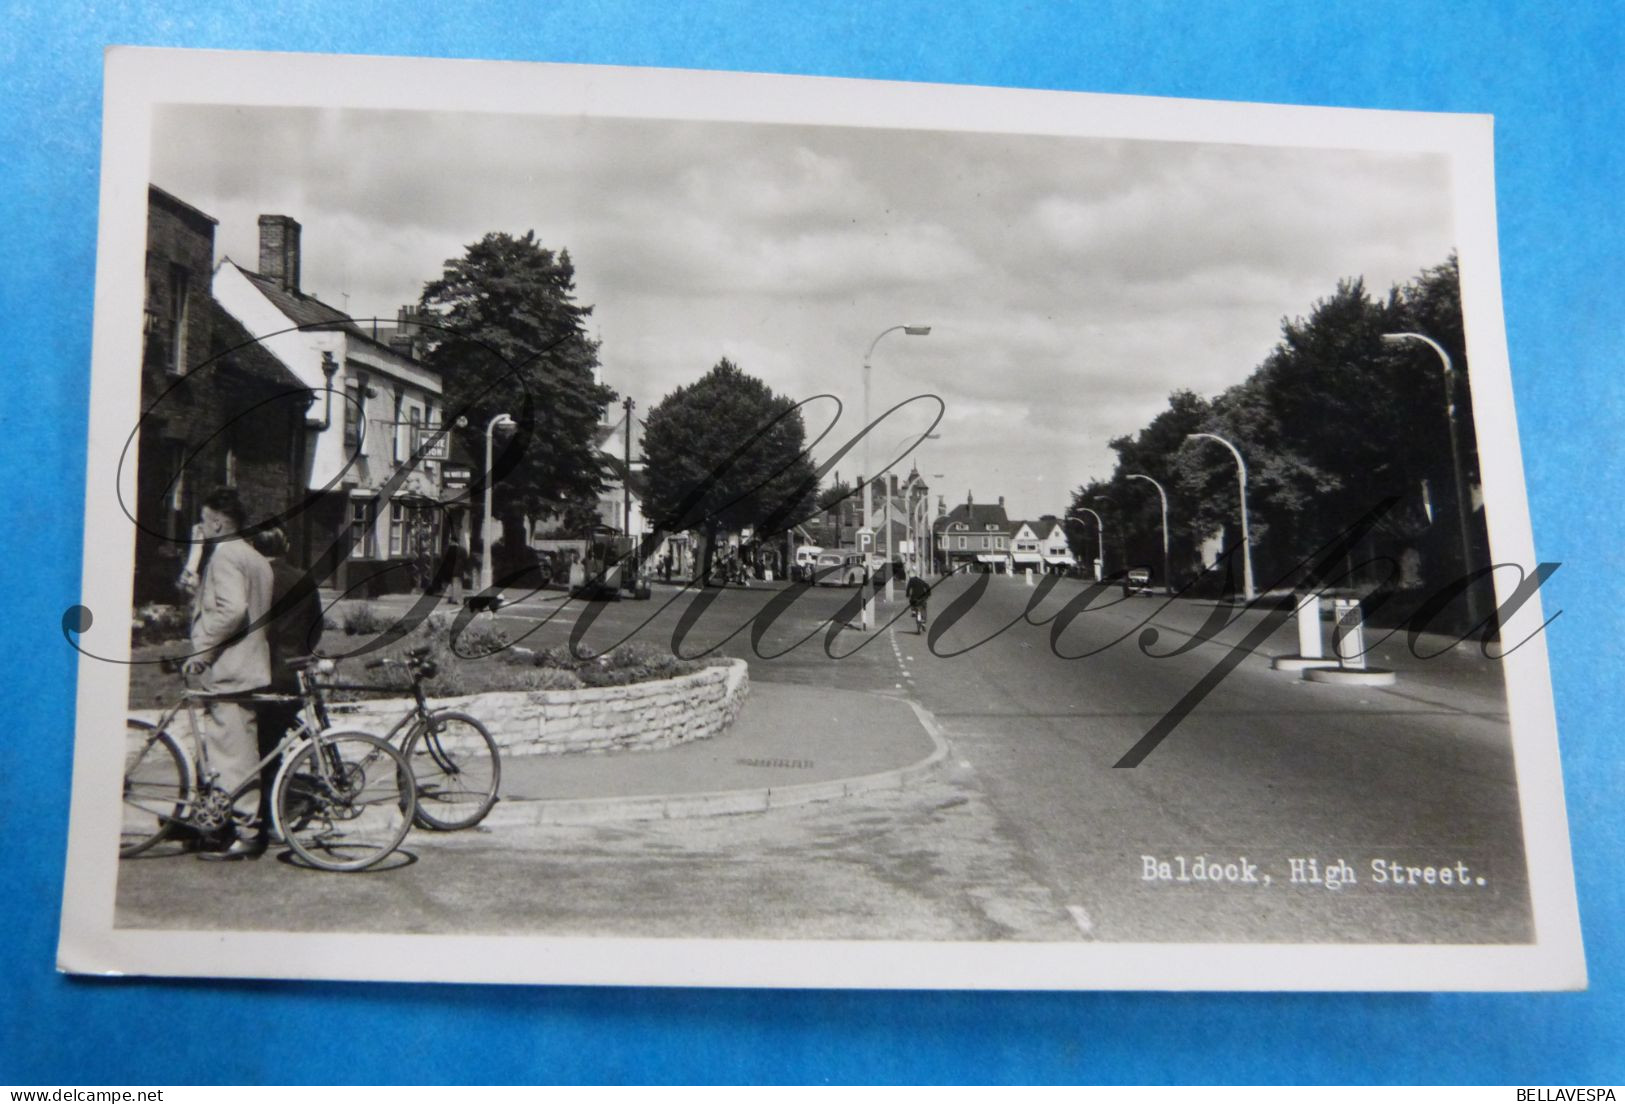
1071, 283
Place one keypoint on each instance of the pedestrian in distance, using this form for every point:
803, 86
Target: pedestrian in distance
918, 592
451, 570
231, 654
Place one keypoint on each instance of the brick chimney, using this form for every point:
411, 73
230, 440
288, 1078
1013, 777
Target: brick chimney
1001, 502
279, 251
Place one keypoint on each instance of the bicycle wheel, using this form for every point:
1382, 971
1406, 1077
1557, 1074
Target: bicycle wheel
345, 801
455, 762
157, 784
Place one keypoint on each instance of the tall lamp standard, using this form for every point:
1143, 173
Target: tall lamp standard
486, 558
911, 330
1167, 571
1462, 508
886, 493
1100, 537
1246, 536
919, 523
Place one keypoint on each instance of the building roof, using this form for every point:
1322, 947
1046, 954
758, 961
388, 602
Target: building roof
1040, 527
233, 348
307, 311
180, 206
978, 516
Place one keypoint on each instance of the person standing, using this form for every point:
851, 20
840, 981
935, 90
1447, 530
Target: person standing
456, 561
231, 654
294, 632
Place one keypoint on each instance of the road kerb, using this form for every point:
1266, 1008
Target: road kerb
512, 812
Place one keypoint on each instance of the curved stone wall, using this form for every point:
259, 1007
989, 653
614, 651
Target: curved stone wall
640, 717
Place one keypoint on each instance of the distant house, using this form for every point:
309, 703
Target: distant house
1040, 545
217, 408
377, 405
974, 537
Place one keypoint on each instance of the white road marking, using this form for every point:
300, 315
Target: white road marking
1081, 918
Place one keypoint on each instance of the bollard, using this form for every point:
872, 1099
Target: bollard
1311, 652
1309, 627
1348, 633
1348, 644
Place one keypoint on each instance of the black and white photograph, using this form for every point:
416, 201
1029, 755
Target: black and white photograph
557, 524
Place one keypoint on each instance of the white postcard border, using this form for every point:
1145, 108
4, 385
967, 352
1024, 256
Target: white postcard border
137, 79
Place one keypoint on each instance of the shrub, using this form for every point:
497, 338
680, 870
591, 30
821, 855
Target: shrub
157, 623
362, 619
478, 641
623, 666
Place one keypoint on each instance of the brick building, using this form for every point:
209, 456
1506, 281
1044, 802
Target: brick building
217, 409
973, 537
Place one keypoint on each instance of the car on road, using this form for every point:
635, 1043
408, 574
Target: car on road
806, 563
840, 569
1137, 581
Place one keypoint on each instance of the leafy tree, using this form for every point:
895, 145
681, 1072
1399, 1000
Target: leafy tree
1136, 506
725, 453
834, 494
1331, 422
507, 337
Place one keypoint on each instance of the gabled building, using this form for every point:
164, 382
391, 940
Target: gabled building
376, 405
1041, 545
973, 537
217, 408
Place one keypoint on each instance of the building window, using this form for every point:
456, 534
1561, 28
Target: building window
397, 530
180, 303
414, 440
355, 416
362, 546
962, 544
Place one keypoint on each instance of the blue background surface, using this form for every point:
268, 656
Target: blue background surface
1551, 76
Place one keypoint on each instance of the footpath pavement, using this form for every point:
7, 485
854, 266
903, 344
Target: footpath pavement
791, 745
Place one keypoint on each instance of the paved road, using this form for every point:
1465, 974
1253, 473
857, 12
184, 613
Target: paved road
1029, 832
1266, 767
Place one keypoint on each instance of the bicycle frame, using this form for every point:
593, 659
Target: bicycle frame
195, 749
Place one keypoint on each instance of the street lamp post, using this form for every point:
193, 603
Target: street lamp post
1246, 536
887, 489
487, 557
1100, 537
918, 524
911, 330
1167, 572
1463, 510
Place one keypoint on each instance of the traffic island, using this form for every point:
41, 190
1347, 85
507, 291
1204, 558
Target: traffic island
791, 746
642, 716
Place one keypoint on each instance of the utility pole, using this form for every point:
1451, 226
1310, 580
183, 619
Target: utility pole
626, 487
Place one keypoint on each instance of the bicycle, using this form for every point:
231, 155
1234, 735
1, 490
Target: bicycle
918, 609
453, 757
344, 799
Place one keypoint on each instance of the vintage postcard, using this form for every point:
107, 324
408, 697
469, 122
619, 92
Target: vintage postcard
560, 524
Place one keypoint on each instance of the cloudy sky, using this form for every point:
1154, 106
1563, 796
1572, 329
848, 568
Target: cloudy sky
1070, 283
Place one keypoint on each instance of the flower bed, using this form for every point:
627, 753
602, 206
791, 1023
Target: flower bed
641, 716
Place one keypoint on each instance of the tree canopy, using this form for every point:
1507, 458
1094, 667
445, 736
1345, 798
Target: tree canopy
507, 337
1333, 421
725, 453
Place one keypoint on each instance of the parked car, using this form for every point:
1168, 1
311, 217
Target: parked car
1137, 581
806, 563
840, 569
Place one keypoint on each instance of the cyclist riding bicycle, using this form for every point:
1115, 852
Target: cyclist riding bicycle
918, 592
